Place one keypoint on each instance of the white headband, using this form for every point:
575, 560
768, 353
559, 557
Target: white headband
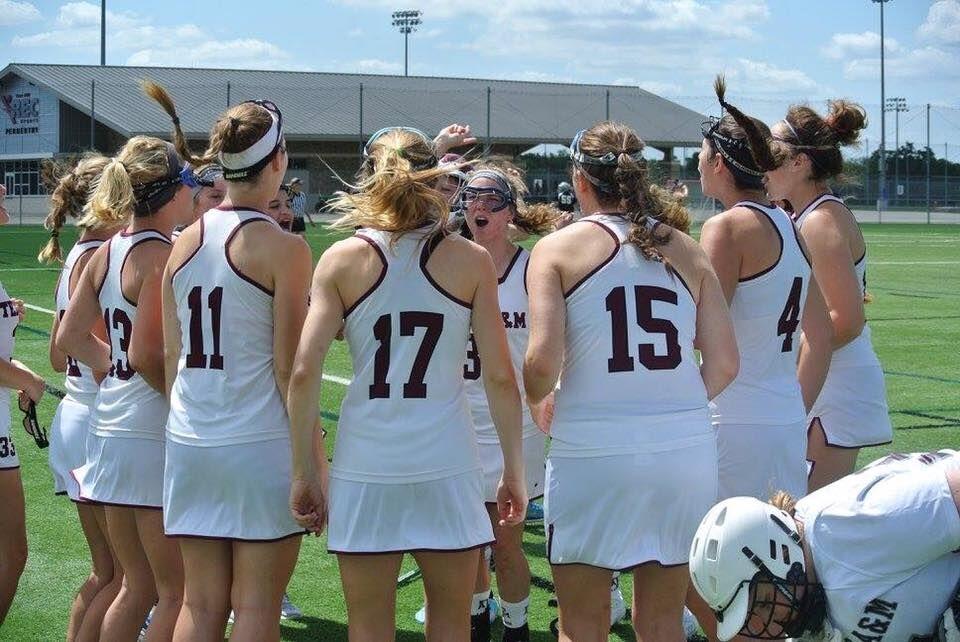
256, 152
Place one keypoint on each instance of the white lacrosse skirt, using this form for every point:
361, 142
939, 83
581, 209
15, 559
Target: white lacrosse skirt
238, 492
438, 515
68, 445
759, 460
534, 453
852, 407
620, 511
122, 471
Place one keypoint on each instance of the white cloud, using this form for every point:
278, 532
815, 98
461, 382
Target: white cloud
845, 45
376, 66
922, 63
942, 24
757, 77
135, 37
17, 13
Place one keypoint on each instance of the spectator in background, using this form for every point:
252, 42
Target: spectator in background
298, 203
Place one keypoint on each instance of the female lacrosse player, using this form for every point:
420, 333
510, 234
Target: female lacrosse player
406, 473
616, 301
232, 315
146, 187
70, 427
800, 157
782, 327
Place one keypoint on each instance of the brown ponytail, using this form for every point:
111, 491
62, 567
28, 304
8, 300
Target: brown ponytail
759, 139
70, 188
626, 187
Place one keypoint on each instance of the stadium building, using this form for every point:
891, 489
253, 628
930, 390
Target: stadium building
61, 110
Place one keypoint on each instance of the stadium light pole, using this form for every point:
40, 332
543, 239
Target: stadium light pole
883, 124
103, 32
407, 22
896, 105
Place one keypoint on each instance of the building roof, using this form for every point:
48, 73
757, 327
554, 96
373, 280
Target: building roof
327, 106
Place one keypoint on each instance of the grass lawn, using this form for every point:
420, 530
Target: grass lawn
913, 273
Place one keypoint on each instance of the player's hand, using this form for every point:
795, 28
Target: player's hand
20, 308
511, 501
35, 389
451, 136
542, 413
308, 503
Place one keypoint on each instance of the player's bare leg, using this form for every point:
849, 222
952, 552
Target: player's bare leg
448, 583
261, 571
208, 575
13, 537
659, 594
371, 595
101, 568
583, 602
138, 593
89, 630
163, 554
830, 463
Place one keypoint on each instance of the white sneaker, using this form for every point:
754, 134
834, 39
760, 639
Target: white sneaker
289, 610
618, 607
493, 606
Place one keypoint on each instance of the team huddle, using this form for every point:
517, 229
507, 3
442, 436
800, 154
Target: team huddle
690, 411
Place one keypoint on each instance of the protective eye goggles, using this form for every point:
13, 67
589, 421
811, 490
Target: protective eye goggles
30, 422
491, 198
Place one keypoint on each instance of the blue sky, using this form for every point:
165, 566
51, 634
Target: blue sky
773, 52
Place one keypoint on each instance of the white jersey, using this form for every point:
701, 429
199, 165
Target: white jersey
512, 292
630, 380
766, 309
858, 352
225, 391
78, 382
126, 405
883, 542
405, 416
9, 319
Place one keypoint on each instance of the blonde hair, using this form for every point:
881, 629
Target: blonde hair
394, 196
70, 189
236, 130
112, 203
528, 218
784, 501
627, 184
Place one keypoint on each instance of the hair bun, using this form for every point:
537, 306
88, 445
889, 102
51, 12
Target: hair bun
846, 119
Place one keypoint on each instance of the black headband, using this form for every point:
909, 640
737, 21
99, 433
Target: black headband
150, 197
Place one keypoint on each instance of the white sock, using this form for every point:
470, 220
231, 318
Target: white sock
479, 603
514, 613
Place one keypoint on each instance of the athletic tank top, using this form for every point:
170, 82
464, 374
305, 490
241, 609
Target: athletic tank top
225, 391
78, 382
9, 319
630, 380
405, 416
126, 405
858, 352
766, 310
512, 292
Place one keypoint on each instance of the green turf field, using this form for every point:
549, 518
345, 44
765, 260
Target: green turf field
913, 273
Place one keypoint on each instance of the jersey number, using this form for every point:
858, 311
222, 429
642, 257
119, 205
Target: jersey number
117, 320
414, 388
6, 447
471, 369
622, 361
197, 357
790, 317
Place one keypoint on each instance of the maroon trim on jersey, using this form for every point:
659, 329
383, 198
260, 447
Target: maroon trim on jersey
3, 468
796, 235
74, 266
826, 439
526, 266
613, 255
513, 261
766, 217
127, 256
428, 249
383, 274
672, 270
106, 271
299, 533
413, 550
862, 256
226, 253
126, 233
192, 254
242, 209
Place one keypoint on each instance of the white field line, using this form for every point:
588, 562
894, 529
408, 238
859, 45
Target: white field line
869, 262
326, 377
33, 269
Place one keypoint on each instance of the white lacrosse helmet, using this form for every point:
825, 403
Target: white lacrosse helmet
739, 538
563, 186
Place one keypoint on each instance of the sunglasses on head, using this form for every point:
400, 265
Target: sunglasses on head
30, 422
385, 130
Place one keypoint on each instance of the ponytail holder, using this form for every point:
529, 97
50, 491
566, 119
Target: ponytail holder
54, 233
176, 120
